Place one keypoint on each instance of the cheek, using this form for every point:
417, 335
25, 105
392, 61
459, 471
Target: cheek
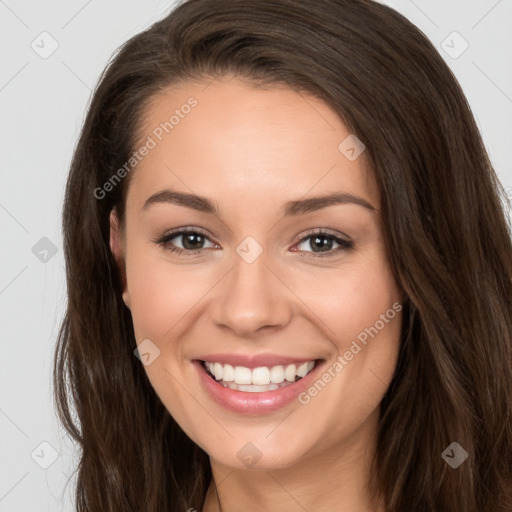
360, 311
360, 305
352, 298
161, 294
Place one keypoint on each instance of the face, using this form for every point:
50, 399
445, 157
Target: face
256, 275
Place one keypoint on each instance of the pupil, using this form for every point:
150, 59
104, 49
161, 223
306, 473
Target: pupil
323, 246
189, 239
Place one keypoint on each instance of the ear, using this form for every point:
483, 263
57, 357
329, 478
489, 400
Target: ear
117, 248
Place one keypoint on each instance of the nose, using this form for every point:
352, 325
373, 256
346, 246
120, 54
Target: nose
251, 299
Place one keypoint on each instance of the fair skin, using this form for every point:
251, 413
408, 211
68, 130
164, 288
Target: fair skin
251, 150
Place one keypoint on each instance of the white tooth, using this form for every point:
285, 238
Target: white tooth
217, 371
277, 374
289, 373
302, 370
261, 376
228, 373
250, 389
243, 375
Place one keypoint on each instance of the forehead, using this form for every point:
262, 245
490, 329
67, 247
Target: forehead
228, 138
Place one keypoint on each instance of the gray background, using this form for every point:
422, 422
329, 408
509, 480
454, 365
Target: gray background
43, 98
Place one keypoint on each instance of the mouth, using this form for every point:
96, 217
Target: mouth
258, 390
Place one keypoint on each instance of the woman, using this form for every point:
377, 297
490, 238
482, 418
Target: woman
288, 272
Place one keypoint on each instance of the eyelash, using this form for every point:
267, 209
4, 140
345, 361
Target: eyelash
164, 241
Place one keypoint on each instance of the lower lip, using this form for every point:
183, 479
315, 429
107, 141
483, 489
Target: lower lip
243, 402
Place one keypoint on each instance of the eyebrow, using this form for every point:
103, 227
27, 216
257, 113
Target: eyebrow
291, 208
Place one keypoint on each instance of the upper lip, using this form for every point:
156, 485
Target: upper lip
254, 361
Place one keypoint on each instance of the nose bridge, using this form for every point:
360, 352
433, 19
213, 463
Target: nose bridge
252, 297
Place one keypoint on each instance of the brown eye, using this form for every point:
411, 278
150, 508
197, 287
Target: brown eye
192, 241
323, 243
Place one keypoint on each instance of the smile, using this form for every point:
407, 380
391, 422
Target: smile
258, 379
257, 390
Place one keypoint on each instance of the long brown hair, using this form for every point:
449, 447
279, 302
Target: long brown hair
448, 239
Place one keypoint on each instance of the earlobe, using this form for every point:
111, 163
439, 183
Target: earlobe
116, 247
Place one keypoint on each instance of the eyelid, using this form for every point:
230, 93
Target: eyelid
185, 229
323, 231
